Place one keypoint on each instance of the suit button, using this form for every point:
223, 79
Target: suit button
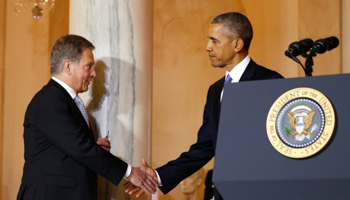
95, 185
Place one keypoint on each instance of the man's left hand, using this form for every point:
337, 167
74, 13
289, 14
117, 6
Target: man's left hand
104, 143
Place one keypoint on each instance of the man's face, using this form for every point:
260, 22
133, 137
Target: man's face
83, 73
220, 46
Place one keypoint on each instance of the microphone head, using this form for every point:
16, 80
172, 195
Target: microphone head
333, 42
327, 44
321, 45
294, 49
289, 54
303, 46
307, 44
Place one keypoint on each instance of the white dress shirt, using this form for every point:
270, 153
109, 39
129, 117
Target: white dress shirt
237, 72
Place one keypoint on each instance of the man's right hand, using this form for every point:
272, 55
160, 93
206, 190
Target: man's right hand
142, 180
131, 188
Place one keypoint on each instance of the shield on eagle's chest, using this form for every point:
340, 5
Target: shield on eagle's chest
299, 127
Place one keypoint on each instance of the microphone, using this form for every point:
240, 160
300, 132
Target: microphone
297, 48
327, 44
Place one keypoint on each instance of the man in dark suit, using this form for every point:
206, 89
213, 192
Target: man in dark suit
61, 154
229, 36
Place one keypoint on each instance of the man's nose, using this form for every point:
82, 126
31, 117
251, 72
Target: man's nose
209, 48
93, 73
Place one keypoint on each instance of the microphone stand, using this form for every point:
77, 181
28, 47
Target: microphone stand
309, 62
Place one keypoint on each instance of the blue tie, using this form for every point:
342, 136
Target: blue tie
82, 109
228, 79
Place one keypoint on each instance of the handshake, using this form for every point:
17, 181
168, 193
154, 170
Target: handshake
142, 181
139, 181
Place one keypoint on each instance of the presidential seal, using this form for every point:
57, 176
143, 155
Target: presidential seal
300, 123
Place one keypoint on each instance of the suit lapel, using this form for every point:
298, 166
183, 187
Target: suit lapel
247, 75
249, 71
77, 111
217, 98
216, 108
54, 83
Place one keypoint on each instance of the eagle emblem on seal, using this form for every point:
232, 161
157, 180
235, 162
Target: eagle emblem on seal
300, 119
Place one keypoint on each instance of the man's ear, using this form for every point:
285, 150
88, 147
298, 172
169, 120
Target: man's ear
238, 44
67, 66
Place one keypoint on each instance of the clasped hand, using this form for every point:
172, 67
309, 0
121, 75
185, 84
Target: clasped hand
138, 179
132, 188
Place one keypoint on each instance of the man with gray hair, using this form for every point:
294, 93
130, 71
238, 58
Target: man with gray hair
229, 35
61, 154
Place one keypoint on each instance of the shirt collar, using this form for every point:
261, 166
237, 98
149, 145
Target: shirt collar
70, 91
237, 72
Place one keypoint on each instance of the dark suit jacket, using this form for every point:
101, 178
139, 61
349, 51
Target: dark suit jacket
203, 150
61, 155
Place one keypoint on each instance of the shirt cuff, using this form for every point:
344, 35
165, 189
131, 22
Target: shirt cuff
128, 171
159, 181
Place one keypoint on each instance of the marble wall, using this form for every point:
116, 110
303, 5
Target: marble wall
119, 97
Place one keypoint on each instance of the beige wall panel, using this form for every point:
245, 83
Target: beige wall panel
182, 75
26, 71
59, 21
322, 19
2, 77
275, 27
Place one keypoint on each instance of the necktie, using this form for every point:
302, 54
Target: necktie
82, 109
228, 79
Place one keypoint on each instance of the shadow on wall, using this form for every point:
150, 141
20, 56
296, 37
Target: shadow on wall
98, 93
111, 108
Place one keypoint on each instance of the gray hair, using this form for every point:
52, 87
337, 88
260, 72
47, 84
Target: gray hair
68, 47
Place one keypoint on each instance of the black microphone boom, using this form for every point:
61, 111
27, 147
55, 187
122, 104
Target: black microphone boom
327, 44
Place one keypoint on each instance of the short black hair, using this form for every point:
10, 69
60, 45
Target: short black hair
236, 24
